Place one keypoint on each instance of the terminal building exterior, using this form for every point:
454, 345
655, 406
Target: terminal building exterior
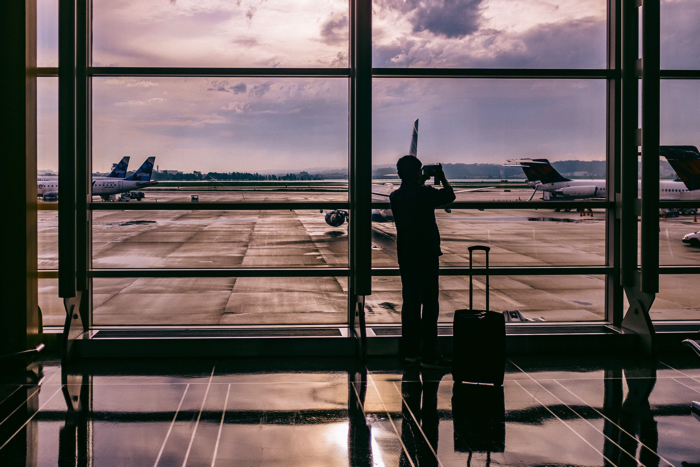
251, 281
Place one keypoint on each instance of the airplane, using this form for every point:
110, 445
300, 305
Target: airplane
337, 217
553, 185
105, 187
48, 184
685, 160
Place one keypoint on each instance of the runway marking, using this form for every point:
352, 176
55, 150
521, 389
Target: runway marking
506, 299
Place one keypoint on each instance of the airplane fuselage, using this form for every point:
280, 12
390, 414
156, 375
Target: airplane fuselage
669, 190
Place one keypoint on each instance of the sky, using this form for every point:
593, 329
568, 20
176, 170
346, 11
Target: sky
293, 124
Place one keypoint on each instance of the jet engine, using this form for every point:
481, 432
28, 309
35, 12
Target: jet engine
580, 191
336, 218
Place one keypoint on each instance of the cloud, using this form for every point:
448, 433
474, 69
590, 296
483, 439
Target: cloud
577, 43
444, 18
335, 29
224, 86
259, 90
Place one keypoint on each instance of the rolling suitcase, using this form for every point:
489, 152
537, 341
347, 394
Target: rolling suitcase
479, 419
479, 338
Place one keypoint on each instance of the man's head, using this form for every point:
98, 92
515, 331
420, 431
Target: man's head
409, 168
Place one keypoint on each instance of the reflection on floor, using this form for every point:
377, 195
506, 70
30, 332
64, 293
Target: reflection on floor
335, 412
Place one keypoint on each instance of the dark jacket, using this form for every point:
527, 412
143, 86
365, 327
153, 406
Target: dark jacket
413, 208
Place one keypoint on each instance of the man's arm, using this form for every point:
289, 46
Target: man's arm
447, 192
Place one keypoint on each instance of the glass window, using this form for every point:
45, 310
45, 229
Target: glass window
221, 33
47, 33
678, 298
206, 129
213, 301
489, 121
538, 298
679, 34
52, 311
529, 237
489, 34
217, 239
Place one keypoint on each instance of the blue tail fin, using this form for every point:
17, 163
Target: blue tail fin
414, 140
542, 170
119, 171
145, 171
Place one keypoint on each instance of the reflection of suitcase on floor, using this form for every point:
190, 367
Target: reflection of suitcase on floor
478, 413
479, 342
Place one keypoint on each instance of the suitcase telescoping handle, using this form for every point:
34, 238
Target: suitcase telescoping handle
485, 249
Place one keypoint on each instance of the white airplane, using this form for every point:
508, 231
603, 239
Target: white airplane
545, 178
48, 184
105, 187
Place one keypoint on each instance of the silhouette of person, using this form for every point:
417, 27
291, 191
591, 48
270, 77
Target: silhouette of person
420, 419
418, 245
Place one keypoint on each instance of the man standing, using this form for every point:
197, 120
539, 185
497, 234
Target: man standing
418, 244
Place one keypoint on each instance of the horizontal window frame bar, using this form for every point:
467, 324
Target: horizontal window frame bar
524, 205
679, 204
680, 74
47, 71
183, 273
206, 72
378, 272
679, 270
224, 206
313, 205
498, 73
511, 271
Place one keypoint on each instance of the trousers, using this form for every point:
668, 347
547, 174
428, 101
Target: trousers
420, 309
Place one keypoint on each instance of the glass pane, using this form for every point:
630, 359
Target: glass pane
679, 34
209, 132
516, 237
47, 33
52, 311
678, 298
47, 227
538, 298
47, 125
680, 171
474, 127
220, 33
213, 301
216, 239
489, 34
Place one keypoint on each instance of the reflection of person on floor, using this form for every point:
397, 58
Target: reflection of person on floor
418, 246
419, 424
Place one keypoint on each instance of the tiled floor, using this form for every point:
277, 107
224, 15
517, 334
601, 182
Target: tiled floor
334, 412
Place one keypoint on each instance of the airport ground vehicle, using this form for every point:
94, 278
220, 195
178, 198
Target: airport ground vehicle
194, 199
49, 197
137, 195
692, 239
124, 198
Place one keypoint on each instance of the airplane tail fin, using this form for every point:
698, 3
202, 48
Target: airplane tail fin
119, 171
414, 140
685, 160
143, 174
539, 170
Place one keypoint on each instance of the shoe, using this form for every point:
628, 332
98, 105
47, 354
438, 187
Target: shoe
412, 359
437, 364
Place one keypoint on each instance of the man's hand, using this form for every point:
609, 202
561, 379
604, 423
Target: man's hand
441, 177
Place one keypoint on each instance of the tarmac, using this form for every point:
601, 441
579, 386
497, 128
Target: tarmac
126, 239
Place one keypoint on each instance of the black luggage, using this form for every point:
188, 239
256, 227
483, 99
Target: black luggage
479, 342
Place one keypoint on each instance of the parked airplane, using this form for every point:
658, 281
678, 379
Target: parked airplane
140, 179
555, 186
105, 187
685, 160
48, 184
